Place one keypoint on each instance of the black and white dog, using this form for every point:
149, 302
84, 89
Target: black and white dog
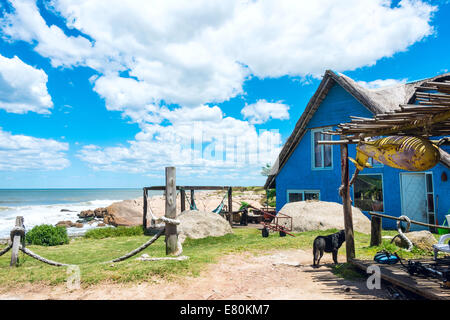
330, 243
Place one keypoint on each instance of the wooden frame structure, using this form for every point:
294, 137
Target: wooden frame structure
183, 190
429, 118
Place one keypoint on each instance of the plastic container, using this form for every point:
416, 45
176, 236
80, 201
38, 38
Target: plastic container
444, 231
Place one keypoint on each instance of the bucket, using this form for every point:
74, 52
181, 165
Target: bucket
444, 231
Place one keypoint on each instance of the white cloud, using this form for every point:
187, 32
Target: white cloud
20, 152
203, 138
381, 83
152, 54
201, 51
262, 111
22, 87
26, 24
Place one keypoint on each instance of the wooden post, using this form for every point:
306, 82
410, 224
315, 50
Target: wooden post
347, 205
375, 233
192, 199
16, 243
230, 204
144, 214
183, 199
171, 210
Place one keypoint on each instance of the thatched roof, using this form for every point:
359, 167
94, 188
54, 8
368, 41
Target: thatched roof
377, 101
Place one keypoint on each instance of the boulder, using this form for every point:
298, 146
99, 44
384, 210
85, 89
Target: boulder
87, 214
321, 215
124, 213
423, 240
100, 212
65, 224
78, 225
200, 224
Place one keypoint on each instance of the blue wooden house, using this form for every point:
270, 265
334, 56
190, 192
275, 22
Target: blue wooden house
305, 170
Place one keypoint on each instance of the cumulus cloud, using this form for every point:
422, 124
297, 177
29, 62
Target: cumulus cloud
205, 139
381, 83
22, 87
201, 51
153, 54
26, 23
262, 111
20, 152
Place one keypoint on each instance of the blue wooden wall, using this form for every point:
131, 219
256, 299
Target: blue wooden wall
298, 174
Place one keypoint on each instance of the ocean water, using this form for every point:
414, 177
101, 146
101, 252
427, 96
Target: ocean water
45, 206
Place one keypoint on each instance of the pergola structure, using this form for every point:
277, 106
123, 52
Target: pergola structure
183, 190
429, 118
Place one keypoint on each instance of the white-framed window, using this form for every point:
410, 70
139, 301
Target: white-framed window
368, 192
322, 154
302, 195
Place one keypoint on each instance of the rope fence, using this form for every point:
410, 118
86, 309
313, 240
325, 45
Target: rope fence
18, 239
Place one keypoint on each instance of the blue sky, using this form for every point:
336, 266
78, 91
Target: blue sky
107, 93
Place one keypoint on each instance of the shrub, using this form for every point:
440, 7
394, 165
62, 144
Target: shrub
47, 235
110, 232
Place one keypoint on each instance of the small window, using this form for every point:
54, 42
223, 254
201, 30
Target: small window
294, 197
322, 153
300, 195
368, 192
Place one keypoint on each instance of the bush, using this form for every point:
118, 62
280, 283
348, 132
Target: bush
47, 235
110, 232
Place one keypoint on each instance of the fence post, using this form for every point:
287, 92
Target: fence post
375, 232
347, 205
16, 243
144, 214
230, 204
183, 199
171, 210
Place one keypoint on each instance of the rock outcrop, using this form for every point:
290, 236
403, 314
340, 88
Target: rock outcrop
423, 240
322, 215
124, 213
200, 224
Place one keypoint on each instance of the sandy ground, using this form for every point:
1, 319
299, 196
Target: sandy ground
284, 274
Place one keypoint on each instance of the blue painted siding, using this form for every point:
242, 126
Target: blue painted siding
297, 172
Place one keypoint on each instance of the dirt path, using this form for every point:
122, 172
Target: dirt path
286, 274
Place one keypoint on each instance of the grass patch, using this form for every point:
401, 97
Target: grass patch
110, 232
346, 271
90, 252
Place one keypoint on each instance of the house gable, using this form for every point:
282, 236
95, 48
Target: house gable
297, 172
336, 108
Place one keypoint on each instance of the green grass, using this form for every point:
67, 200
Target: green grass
110, 232
89, 253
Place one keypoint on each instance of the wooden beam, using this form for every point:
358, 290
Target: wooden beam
171, 210
144, 213
375, 232
189, 188
183, 199
16, 243
347, 205
230, 205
